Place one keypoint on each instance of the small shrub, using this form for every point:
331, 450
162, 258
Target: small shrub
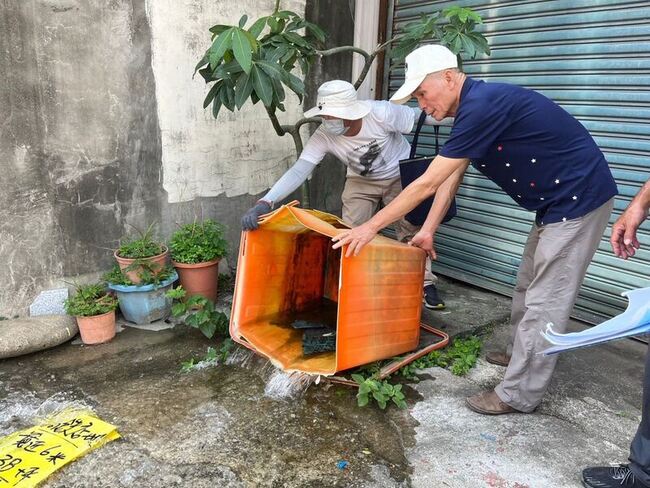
90, 300
143, 246
202, 313
198, 242
213, 357
381, 391
459, 357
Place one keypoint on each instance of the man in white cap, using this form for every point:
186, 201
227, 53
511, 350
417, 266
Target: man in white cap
548, 163
366, 135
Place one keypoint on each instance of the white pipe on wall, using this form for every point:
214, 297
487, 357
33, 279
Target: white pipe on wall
366, 31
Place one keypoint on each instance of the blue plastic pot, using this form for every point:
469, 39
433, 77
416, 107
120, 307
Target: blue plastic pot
145, 304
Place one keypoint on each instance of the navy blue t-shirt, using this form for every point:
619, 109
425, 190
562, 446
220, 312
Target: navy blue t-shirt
532, 148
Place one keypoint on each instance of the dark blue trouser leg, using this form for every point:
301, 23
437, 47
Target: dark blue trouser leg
640, 448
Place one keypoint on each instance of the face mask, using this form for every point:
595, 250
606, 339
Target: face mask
334, 126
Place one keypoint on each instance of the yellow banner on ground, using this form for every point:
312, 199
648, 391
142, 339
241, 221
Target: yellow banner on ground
29, 456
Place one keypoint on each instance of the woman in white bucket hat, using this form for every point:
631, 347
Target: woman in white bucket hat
366, 136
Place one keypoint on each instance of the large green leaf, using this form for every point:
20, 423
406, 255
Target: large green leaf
296, 85
218, 29
316, 31
295, 39
200, 64
272, 69
243, 89
211, 94
206, 74
273, 55
242, 49
278, 91
276, 24
227, 70
229, 90
257, 27
216, 106
468, 46
262, 85
220, 45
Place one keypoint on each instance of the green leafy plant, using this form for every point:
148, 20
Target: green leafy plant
198, 242
454, 27
459, 357
201, 313
142, 246
380, 391
246, 63
213, 356
90, 300
149, 273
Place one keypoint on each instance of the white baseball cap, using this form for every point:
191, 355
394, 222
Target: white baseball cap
338, 98
424, 60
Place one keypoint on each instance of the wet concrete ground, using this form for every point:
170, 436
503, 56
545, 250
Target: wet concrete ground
216, 426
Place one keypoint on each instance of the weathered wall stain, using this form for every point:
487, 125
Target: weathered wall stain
79, 143
92, 131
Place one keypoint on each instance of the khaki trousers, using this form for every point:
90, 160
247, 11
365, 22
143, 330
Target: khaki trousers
552, 268
361, 198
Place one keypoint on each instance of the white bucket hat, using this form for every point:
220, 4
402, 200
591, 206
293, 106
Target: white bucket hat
338, 98
424, 60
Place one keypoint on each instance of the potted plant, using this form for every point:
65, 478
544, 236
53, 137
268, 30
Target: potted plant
196, 250
146, 301
140, 255
94, 308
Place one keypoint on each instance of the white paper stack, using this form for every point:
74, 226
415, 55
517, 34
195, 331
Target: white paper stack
634, 321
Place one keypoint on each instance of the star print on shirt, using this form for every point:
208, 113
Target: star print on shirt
557, 182
533, 160
574, 197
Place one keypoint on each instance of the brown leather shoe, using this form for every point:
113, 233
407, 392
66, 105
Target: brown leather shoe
489, 403
498, 358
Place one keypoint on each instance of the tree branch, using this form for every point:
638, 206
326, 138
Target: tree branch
279, 129
343, 49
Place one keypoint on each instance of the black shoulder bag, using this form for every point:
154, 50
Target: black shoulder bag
412, 168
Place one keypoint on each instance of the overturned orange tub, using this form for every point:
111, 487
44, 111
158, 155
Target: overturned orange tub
288, 267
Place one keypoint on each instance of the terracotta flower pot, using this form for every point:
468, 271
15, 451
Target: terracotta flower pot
200, 278
157, 264
98, 328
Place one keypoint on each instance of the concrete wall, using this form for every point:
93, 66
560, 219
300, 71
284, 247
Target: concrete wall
79, 139
102, 128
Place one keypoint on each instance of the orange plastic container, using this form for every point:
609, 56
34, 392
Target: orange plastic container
288, 264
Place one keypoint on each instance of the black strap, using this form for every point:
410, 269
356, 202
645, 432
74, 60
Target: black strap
414, 144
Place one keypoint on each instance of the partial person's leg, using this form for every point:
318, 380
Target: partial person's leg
637, 473
360, 199
560, 261
640, 448
524, 278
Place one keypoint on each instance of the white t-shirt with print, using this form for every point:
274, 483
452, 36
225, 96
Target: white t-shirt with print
376, 150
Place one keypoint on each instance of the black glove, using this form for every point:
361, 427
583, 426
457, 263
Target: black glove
249, 220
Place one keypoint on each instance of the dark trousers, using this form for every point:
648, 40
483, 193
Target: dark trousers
640, 448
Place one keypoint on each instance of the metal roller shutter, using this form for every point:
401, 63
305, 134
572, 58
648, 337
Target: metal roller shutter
591, 57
